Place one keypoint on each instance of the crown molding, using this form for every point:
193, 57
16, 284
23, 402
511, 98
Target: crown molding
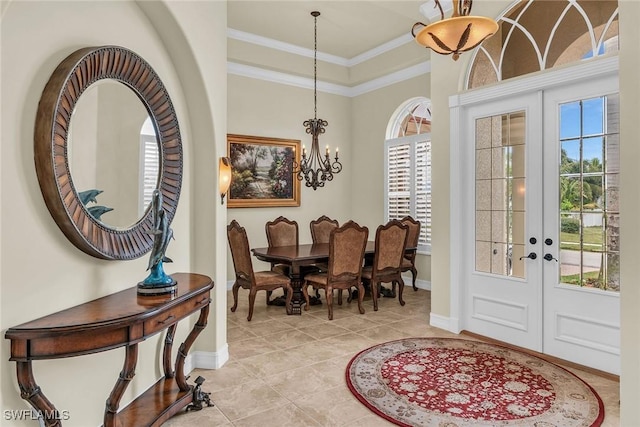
285, 47
325, 57
336, 89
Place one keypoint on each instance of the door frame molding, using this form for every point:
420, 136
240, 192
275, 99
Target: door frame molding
542, 80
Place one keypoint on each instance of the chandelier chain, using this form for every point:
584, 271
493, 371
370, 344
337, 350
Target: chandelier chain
315, 66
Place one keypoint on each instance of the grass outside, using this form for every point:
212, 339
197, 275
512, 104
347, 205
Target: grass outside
592, 240
589, 279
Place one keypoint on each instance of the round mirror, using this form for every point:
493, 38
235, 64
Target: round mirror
106, 136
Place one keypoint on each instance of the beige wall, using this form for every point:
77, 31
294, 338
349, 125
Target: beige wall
371, 114
40, 271
262, 108
629, 208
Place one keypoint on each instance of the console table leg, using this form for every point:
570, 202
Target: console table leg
184, 348
30, 391
166, 353
126, 375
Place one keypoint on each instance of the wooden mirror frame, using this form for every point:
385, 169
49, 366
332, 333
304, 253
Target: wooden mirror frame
65, 86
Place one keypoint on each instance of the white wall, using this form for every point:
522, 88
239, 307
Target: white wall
41, 272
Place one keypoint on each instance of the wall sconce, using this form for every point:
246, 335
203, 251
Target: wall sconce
224, 177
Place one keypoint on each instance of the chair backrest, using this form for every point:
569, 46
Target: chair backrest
391, 240
321, 229
346, 251
239, 245
281, 232
414, 233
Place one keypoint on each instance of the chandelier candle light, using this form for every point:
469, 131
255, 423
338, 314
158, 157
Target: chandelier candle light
316, 169
460, 33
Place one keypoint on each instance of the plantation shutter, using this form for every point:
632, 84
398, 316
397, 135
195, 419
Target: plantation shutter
408, 179
399, 181
423, 191
150, 170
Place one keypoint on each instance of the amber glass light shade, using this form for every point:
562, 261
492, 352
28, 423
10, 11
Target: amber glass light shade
224, 177
460, 33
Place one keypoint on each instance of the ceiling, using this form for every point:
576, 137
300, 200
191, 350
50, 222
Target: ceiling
345, 28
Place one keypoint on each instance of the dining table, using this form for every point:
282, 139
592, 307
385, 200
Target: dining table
299, 256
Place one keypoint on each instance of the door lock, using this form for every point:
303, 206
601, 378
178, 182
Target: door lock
532, 255
549, 257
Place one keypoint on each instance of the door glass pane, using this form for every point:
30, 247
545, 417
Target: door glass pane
500, 194
589, 175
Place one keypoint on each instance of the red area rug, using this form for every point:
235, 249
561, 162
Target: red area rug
454, 383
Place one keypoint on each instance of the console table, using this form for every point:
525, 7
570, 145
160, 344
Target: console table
122, 319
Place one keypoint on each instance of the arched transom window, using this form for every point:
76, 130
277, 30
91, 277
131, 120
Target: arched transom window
537, 35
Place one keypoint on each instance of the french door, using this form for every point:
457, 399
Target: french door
540, 221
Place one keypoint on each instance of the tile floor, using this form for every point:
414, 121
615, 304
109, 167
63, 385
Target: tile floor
289, 370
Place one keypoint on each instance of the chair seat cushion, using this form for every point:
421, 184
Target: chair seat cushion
406, 263
281, 269
265, 278
321, 278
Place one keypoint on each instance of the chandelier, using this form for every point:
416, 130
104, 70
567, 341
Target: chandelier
315, 168
457, 34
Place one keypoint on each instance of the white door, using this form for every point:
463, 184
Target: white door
581, 221
541, 219
504, 214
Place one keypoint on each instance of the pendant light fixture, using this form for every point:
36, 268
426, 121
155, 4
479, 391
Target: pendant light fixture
460, 33
315, 168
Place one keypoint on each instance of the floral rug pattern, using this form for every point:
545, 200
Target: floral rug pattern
454, 383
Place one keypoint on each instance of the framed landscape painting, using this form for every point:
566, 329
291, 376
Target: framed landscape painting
262, 171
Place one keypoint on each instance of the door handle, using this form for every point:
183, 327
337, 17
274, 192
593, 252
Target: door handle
549, 257
532, 255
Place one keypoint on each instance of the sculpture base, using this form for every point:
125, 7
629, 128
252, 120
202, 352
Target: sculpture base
157, 282
157, 289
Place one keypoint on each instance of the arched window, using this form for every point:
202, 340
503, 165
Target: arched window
537, 35
407, 157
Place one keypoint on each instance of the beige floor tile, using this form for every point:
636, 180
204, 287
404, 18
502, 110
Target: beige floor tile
249, 347
263, 365
284, 416
290, 370
247, 399
208, 416
332, 407
323, 330
289, 339
233, 374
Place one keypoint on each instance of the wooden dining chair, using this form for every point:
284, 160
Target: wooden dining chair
346, 254
391, 240
281, 232
246, 278
409, 259
321, 229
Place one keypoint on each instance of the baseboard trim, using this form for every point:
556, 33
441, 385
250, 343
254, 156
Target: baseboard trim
447, 323
420, 284
206, 359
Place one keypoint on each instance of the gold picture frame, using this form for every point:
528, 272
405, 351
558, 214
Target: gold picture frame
262, 171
